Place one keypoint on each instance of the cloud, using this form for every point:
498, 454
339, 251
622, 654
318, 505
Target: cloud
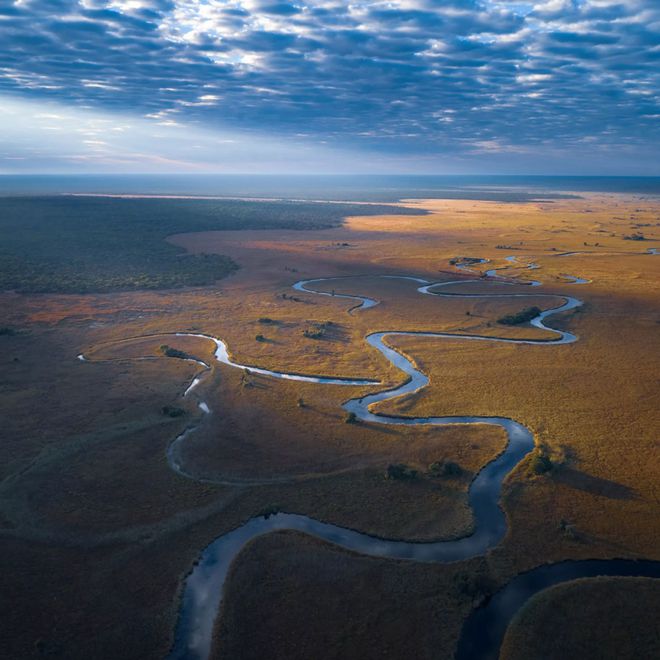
398, 77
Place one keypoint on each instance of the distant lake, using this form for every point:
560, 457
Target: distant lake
356, 188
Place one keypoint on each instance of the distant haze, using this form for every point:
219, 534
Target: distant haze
382, 188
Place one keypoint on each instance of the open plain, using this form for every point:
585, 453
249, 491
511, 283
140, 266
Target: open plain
98, 493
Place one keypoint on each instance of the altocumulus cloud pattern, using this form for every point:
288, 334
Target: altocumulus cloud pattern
407, 76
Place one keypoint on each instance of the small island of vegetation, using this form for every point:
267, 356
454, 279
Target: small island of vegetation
524, 316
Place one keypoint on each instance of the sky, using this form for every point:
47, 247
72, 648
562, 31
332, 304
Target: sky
330, 86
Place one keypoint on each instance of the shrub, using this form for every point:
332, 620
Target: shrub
523, 316
168, 351
269, 510
445, 469
316, 330
7, 332
260, 338
401, 472
540, 463
173, 411
351, 418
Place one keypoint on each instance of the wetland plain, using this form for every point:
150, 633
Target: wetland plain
147, 418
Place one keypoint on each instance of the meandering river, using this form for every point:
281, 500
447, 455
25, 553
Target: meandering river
483, 631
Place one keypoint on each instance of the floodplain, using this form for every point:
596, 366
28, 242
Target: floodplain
115, 478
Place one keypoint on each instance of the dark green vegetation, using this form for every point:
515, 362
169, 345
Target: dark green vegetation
464, 261
168, 351
437, 470
317, 330
523, 316
173, 411
82, 244
401, 472
445, 469
540, 463
7, 332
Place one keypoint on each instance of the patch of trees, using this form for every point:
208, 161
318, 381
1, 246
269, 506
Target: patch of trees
637, 236
524, 316
168, 351
400, 472
541, 463
317, 330
438, 470
63, 244
173, 411
445, 469
568, 530
269, 510
454, 261
286, 296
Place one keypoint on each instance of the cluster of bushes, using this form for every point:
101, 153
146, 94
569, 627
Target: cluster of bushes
317, 330
173, 411
523, 316
445, 469
7, 332
401, 472
637, 236
540, 462
168, 351
439, 469
464, 260
286, 296
270, 510
569, 530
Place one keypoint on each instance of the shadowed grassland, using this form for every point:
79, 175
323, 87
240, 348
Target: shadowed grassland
593, 619
301, 598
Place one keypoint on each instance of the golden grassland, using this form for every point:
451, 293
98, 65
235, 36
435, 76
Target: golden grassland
90, 510
591, 618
